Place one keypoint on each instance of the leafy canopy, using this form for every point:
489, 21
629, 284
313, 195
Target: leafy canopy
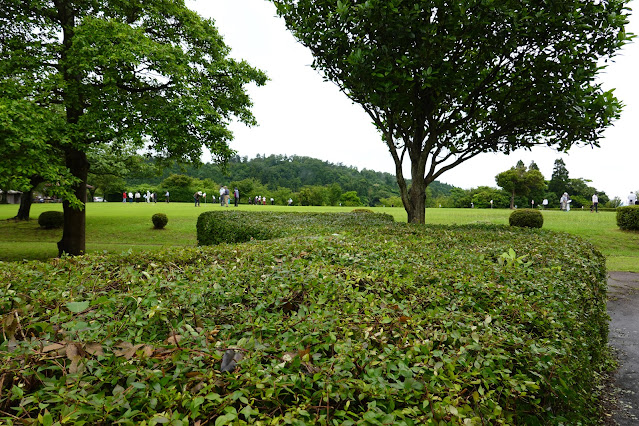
519, 181
149, 74
445, 81
144, 74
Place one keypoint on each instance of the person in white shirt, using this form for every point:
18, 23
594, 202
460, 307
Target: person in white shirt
595, 204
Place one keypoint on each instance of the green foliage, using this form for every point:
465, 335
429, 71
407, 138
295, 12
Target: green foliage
559, 180
628, 218
282, 177
155, 75
395, 201
159, 220
314, 195
51, 219
518, 181
351, 199
461, 80
217, 227
403, 325
526, 218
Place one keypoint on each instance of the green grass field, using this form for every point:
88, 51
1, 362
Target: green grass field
119, 227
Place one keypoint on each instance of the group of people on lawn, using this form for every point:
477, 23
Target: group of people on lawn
149, 197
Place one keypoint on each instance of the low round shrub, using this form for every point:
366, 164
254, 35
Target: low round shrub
159, 220
526, 218
51, 220
628, 218
362, 211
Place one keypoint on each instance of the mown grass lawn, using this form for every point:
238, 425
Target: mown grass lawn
119, 227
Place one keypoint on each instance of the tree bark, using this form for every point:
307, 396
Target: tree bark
416, 207
73, 234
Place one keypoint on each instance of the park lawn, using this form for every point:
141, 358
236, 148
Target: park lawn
121, 227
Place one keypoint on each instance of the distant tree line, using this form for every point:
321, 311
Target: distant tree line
310, 181
305, 180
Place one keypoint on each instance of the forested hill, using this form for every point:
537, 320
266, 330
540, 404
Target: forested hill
294, 173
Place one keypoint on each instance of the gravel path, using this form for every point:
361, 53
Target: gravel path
623, 308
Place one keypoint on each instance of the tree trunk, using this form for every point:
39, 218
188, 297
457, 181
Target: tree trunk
512, 200
27, 197
417, 207
25, 205
73, 234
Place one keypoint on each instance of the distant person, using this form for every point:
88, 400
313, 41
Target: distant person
227, 196
148, 196
124, 197
130, 197
544, 203
166, 196
595, 204
564, 202
222, 196
196, 197
290, 202
236, 196
632, 199
154, 196
272, 201
137, 196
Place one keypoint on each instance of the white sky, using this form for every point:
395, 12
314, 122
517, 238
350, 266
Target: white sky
300, 114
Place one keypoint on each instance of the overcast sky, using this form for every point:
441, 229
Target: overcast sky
300, 114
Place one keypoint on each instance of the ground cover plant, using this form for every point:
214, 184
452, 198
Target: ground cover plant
379, 323
123, 227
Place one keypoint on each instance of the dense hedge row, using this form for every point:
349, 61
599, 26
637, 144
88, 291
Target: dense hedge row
377, 324
628, 218
232, 226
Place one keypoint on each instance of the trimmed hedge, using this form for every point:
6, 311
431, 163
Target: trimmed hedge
526, 218
159, 220
628, 218
51, 219
397, 324
231, 226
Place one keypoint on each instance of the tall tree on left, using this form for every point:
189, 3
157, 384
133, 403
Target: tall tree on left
129, 74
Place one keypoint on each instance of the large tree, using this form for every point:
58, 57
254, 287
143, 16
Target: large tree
446, 81
140, 73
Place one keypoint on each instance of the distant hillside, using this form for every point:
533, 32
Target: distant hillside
295, 172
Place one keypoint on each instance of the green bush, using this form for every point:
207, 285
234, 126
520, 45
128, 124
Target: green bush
383, 323
223, 226
628, 218
217, 227
526, 218
51, 219
159, 220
